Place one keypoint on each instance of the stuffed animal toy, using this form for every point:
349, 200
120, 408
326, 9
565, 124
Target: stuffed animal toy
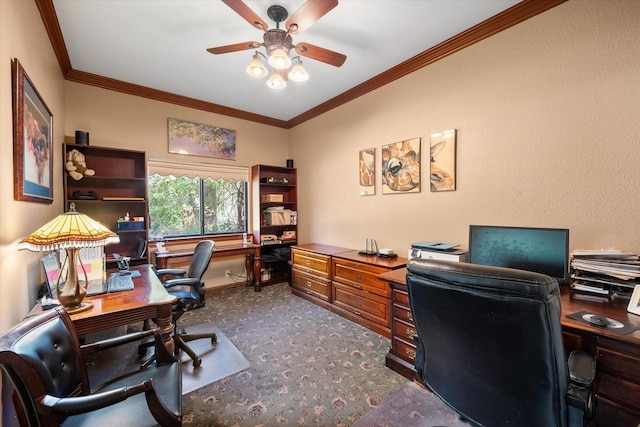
76, 165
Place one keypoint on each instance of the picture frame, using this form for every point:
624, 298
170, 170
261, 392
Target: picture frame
634, 302
401, 167
442, 164
198, 139
32, 141
367, 172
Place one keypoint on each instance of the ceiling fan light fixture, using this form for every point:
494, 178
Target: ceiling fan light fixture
298, 73
276, 81
279, 59
256, 67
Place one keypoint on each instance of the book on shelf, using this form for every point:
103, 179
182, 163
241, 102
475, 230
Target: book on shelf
123, 199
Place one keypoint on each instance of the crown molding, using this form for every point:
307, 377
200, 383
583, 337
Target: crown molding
508, 18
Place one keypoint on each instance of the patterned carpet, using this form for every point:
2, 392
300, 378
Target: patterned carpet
309, 367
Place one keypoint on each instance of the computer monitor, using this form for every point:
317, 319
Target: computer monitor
542, 250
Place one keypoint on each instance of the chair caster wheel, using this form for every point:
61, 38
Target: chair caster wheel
214, 340
197, 363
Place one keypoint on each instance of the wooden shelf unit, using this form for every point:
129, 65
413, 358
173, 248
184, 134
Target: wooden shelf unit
121, 177
280, 182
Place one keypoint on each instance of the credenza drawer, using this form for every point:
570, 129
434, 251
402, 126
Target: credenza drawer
402, 313
311, 263
361, 303
312, 285
618, 390
404, 350
404, 330
360, 276
618, 361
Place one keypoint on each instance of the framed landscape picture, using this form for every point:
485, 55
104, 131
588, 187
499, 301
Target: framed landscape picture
401, 167
197, 139
32, 141
443, 161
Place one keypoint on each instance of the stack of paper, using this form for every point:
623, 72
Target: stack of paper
605, 271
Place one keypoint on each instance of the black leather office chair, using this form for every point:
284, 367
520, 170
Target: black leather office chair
489, 344
45, 371
189, 290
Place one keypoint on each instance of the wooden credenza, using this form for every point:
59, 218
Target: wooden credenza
616, 388
345, 282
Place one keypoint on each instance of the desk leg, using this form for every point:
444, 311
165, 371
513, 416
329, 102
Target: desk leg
257, 277
248, 267
165, 324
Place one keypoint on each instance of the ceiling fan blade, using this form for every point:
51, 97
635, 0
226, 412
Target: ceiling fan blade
320, 54
234, 47
309, 13
249, 15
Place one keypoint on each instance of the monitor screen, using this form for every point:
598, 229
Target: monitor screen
542, 250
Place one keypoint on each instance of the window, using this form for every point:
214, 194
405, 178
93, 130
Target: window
190, 199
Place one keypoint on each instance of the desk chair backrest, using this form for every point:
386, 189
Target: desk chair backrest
490, 342
41, 356
201, 259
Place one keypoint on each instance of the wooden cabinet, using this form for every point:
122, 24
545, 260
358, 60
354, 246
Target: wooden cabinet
118, 186
311, 271
274, 219
358, 294
345, 282
617, 384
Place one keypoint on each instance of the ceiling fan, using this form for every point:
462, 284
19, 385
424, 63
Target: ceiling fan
278, 42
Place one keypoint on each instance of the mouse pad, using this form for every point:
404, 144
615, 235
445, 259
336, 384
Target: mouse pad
615, 326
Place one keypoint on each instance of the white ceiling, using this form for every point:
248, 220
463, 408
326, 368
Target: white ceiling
161, 44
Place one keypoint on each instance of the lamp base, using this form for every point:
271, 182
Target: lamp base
84, 306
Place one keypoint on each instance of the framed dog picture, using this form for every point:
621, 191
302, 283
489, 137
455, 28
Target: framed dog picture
32, 141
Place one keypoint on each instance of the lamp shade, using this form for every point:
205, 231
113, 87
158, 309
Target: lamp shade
276, 81
279, 59
298, 73
256, 68
69, 230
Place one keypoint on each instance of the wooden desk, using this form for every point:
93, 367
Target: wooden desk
617, 383
148, 300
250, 251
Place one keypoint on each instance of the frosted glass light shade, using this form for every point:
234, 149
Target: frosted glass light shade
279, 59
276, 81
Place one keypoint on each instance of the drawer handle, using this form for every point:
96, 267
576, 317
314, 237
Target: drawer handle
410, 316
411, 332
308, 292
357, 286
357, 313
308, 270
308, 284
308, 261
358, 276
411, 353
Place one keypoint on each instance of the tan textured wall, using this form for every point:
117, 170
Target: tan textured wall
548, 133
22, 36
118, 120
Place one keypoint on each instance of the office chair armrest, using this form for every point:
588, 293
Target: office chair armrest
582, 369
67, 406
187, 281
178, 272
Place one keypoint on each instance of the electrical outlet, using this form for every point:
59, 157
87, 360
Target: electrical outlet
227, 273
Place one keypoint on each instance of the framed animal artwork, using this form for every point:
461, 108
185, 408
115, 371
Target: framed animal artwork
443, 161
32, 141
367, 167
401, 167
